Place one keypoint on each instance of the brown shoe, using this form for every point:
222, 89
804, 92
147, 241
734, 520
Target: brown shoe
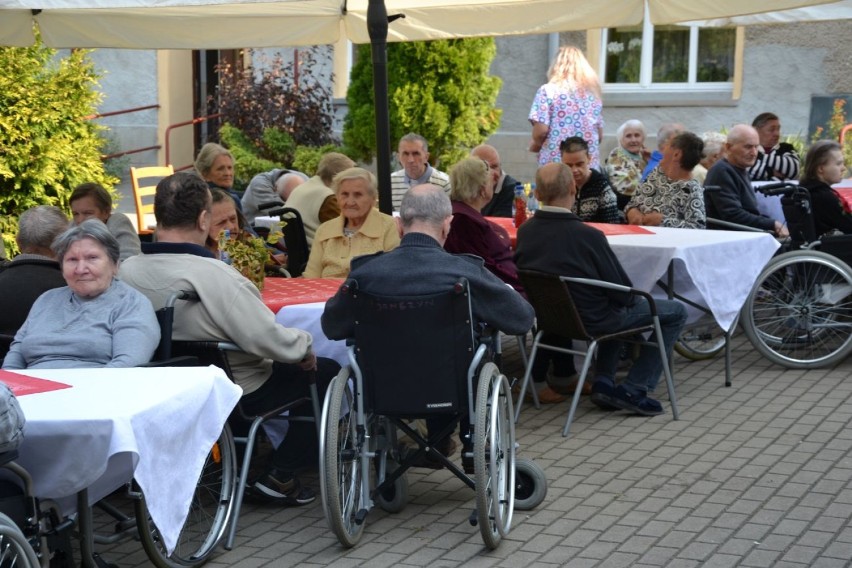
567, 385
547, 396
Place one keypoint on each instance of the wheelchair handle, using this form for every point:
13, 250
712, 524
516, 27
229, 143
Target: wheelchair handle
778, 188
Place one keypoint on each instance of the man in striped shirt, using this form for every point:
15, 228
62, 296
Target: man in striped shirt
413, 154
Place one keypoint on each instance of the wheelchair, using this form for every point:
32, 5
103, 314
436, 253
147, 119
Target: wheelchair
447, 377
799, 312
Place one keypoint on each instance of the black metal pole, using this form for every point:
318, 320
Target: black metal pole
377, 26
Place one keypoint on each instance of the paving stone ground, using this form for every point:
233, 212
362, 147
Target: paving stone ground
755, 475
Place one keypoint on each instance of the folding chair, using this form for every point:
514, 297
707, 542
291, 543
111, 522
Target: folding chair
216, 353
146, 191
556, 313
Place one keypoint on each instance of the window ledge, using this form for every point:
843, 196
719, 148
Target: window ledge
682, 95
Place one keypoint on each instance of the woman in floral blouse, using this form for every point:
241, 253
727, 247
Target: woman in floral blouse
627, 160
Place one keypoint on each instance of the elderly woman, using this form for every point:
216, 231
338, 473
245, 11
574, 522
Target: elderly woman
627, 160
92, 201
596, 200
714, 149
215, 165
95, 321
472, 188
360, 228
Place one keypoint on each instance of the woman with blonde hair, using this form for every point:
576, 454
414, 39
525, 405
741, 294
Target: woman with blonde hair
569, 104
360, 228
472, 188
215, 165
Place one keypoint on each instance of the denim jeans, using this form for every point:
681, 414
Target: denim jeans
645, 372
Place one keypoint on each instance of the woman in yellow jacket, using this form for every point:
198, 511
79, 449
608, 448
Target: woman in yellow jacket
360, 228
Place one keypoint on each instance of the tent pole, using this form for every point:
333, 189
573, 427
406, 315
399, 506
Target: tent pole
377, 26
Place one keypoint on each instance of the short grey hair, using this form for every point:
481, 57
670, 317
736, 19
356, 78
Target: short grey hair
356, 173
713, 143
413, 137
632, 123
94, 229
668, 131
467, 177
425, 203
39, 226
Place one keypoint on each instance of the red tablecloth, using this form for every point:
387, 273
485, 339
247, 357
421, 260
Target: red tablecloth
606, 228
22, 384
280, 292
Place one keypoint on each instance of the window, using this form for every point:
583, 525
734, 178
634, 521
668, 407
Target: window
670, 63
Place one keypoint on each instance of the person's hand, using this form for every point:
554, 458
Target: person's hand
653, 219
308, 362
634, 216
646, 154
781, 230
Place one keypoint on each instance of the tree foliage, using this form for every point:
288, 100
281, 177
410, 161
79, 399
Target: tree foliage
273, 109
438, 89
47, 146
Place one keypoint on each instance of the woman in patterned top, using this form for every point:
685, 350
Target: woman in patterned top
569, 104
670, 197
627, 160
596, 201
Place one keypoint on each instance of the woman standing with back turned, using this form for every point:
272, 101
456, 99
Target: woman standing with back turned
569, 104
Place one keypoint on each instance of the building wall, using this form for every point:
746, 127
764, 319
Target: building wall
783, 66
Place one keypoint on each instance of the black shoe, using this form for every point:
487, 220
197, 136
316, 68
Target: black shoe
602, 391
636, 403
284, 487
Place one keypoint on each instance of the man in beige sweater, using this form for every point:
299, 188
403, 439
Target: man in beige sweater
275, 361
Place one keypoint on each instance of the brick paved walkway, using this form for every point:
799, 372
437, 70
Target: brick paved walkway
754, 475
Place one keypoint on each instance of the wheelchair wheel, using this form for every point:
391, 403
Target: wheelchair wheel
702, 340
15, 550
494, 455
209, 512
341, 478
530, 484
799, 313
395, 498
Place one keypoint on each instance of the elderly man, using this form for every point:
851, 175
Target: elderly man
666, 132
314, 199
35, 270
420, 266
504, 184
670, 197
775, 160
556, 241
728, 195
273, 366
269, 187
413, 154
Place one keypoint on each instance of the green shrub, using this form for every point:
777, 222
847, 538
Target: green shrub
438, 89
47, 147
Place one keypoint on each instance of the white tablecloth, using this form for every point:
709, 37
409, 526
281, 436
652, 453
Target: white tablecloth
156, 425
307, 317
715, 269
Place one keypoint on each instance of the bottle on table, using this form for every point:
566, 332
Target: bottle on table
519, 205
224, 237
532, 202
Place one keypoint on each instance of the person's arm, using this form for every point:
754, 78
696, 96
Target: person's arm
314, 266
727, 202
539, 136
135, 331
15, 358
693, 215
608, 207
783, 162
329, 209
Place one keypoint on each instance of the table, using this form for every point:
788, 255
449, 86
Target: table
715, 269
299, 303
153, 424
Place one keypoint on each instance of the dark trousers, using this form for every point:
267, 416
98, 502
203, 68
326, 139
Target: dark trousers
563, 363
300, 448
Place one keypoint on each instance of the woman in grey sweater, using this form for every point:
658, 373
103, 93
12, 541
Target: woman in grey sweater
95, 321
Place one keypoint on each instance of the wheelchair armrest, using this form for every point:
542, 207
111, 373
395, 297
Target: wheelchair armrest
734, 226
616, 287
270, 205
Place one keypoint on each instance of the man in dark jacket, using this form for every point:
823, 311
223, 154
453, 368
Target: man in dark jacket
556, 241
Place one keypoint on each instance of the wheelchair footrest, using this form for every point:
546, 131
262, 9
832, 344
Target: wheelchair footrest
361, 516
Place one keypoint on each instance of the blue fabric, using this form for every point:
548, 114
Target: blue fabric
656, 156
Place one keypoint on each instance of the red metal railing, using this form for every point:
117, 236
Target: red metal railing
171, 127
843, 132
106, 157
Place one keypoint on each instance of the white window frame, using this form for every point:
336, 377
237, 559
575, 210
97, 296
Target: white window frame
648, 93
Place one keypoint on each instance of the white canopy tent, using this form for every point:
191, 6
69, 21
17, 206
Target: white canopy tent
841, 10
223, 24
